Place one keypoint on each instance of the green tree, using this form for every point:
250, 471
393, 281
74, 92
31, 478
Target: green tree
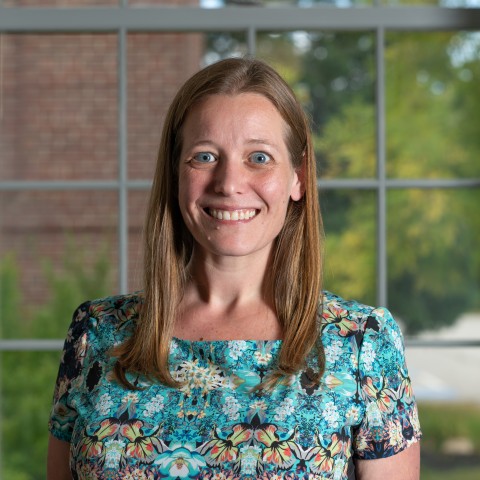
432, 132
27, 378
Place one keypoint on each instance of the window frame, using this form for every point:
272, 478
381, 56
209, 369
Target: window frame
124, 19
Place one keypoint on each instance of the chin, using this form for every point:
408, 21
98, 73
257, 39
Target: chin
235, 250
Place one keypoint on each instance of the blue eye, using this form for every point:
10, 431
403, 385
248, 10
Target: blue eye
260, 158
204, 157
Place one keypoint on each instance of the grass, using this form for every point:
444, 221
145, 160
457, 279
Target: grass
441, 422
455, 474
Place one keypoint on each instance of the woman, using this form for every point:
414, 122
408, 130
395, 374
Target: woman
231, 363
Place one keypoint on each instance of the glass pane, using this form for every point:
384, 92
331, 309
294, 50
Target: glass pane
434, 259
137, 208
333, 75
433, 104
447, 395
59, 117
443, 374
57, 250
350, 254
27, 381
159, 63
220, 45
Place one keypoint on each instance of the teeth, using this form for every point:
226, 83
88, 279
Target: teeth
232, 215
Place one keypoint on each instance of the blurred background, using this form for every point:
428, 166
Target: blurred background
393, 92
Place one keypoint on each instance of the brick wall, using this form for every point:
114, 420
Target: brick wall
59, 122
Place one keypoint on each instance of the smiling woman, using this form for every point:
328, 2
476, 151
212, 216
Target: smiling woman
232, 362
235, 178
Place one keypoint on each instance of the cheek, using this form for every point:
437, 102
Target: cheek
188, 190
184, 202
277, 191
181, 198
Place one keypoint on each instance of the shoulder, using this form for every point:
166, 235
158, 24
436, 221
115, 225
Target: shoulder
331, 299
348, 318
104, 322
115, 309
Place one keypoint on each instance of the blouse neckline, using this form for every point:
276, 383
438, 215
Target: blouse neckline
249, 342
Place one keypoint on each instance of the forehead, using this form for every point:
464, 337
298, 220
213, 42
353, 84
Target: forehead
243, 113
241, 98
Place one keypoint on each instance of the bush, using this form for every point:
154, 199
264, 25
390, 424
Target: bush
27, 378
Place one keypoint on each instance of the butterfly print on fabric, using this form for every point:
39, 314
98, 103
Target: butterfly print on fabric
91, 444
226, 450
322, 458
385, 397
338, 316
277, 452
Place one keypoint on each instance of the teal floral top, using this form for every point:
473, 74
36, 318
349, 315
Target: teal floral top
214, 427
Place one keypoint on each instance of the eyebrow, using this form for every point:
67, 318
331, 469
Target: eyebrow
261, 141
251, 141
258, 140
203, 140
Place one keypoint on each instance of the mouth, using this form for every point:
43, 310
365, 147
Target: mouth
231, 215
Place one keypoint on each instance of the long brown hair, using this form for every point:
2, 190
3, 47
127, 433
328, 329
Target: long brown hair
296, 270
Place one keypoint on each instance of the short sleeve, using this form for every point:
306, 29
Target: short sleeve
390, 422
64, 413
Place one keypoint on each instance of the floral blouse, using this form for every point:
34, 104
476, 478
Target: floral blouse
214, 427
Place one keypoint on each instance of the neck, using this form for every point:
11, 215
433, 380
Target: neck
228, 298
227, 280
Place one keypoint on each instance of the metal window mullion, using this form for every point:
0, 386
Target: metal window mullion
29, 344
252, 41
374, 183
382, 292
122, 163
56, 345
434, 343
324, 183
190, 18
19, 185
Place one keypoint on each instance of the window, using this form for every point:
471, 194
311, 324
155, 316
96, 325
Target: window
394, 101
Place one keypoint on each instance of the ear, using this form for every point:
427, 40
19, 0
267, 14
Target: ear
298, 185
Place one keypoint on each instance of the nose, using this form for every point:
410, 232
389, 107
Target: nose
229, 178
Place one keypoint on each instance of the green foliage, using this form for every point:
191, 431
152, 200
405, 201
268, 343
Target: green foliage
354, 278
10, 297
76, 282
433, 235
472, 473
433, 121
27, 381
441, 422
27, 378
340, 68
346, 148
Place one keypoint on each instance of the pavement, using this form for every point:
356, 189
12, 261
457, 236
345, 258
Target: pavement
447, 374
